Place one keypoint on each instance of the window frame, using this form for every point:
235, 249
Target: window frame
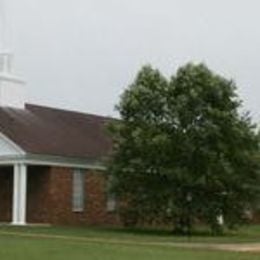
111, 200
78, 190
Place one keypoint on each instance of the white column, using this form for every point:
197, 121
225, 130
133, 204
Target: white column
19, 194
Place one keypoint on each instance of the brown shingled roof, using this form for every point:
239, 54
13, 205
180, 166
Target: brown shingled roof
49, 131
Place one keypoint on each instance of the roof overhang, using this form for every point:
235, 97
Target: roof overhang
11, 153
49, 160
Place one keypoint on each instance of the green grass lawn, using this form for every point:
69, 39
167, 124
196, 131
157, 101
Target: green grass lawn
113, 244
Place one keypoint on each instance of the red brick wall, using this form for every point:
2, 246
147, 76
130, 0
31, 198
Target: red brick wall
6, 188
50, 198
38, 199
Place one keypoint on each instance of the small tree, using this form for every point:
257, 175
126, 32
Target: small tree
182, 151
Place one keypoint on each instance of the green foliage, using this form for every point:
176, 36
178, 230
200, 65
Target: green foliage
182, 151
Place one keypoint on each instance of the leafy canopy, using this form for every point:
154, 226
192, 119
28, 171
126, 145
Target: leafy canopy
182, 151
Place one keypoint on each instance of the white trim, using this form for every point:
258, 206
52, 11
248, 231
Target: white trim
10, 78
17, 148
64, 164
56, 161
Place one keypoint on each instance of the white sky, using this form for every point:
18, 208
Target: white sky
81, 54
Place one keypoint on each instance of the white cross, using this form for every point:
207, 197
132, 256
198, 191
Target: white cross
3, 29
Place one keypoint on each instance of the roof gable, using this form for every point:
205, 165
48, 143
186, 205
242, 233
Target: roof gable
8, 148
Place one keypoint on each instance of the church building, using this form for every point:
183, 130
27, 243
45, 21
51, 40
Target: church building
51, 160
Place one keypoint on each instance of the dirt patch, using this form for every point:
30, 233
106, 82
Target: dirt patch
251, 247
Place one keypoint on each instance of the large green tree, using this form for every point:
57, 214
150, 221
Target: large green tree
184, 151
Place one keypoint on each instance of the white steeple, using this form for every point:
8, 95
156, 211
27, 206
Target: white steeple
12, 88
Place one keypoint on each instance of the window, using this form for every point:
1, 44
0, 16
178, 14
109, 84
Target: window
78, 190
111, 203
111, 198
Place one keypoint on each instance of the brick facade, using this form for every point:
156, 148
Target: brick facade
49, 197
6, 188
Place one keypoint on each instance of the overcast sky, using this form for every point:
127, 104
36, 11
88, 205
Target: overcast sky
81, 54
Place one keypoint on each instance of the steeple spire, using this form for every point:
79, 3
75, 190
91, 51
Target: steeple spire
12, 91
